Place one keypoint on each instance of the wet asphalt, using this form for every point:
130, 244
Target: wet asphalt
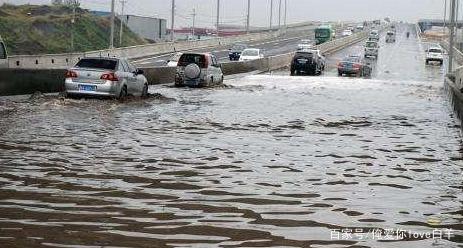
268, 161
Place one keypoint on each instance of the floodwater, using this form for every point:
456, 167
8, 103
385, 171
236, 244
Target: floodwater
271, 161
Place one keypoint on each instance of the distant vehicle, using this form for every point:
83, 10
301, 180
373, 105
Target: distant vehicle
173, 61
198, 70
105, 77
435, 54
377, 22
324, 34
374, 35
354, 65
371, 49
3, 55
390, 37
309, 62
234, 53
346, 33
251, 54
360, 28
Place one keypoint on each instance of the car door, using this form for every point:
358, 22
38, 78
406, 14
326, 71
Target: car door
132, 80
123, 73
217, 72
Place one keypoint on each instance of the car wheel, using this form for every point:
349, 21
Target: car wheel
144, 93
222, 80
293, 72
339, 74
427, 62
123, 93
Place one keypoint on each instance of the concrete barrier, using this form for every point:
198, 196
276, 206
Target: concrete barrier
26, 81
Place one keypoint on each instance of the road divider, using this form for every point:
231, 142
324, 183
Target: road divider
27, 81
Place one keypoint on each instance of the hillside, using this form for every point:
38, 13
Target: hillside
33, 29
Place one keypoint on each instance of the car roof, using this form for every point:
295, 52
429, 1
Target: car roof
103, 58
252, 49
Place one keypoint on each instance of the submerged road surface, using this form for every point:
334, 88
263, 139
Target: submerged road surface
271, 161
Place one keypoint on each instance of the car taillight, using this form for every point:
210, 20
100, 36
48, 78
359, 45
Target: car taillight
71, 74
110, 77
340, 65
357, 66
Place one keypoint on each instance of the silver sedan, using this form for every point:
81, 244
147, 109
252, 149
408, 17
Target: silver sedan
105, 77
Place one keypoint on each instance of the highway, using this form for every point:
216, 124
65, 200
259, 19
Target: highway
269, 160
272, 47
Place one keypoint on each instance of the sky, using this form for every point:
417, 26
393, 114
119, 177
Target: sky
234, 11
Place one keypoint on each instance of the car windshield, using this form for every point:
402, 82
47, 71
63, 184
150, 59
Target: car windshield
351, 59
371, 44
176, 57
187, 59
238, 47
435, 50
106, 64
252, 52
304, 54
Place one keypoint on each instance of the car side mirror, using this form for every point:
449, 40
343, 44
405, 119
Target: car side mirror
140, 72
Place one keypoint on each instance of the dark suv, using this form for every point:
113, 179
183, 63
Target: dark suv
307, 63
234, 53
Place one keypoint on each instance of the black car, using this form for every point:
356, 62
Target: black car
307, 63
235, 52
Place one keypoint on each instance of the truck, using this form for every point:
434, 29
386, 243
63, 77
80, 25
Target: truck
3, 54
324, 34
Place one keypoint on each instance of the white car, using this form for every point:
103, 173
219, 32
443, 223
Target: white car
251, 54
346, 33
371, 49
435, 54
198, 70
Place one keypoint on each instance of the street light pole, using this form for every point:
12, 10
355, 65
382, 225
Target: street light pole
113, 15
122, 22
172, 23
271, 14
286, 13
248, 17
279, 16
453, 4
193, 28
218, 18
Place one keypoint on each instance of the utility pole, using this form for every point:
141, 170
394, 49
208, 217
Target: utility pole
271, 14
218, 18
193, 27
445, 15
286, 13
172, 24
122, 22
111, 39
248, 17
452, 34
279, 16
73, 21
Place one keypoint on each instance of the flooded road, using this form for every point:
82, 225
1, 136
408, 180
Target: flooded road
271, 161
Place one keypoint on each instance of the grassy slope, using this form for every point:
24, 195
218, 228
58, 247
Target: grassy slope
48, 30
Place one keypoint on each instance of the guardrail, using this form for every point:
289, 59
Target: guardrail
62, 61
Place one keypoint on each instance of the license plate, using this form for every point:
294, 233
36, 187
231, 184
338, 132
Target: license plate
83, 87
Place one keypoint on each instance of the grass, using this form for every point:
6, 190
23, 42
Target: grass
42, 29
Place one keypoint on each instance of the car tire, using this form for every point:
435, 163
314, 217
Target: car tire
123, 94
427, 62
144, 92
339, 74
441, 62
293, 73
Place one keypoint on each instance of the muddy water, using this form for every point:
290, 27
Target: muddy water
273, 161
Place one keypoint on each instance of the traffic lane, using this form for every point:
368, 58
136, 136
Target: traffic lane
268, 45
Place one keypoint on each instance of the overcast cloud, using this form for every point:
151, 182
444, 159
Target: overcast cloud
234, 11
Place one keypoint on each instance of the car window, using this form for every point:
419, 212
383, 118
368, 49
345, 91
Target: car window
252, 52
214, 61
132, 68
187, 59
371, 44
435, 50
106, 64
2, 51
123, 66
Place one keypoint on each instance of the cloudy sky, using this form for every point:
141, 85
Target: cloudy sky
234, 11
